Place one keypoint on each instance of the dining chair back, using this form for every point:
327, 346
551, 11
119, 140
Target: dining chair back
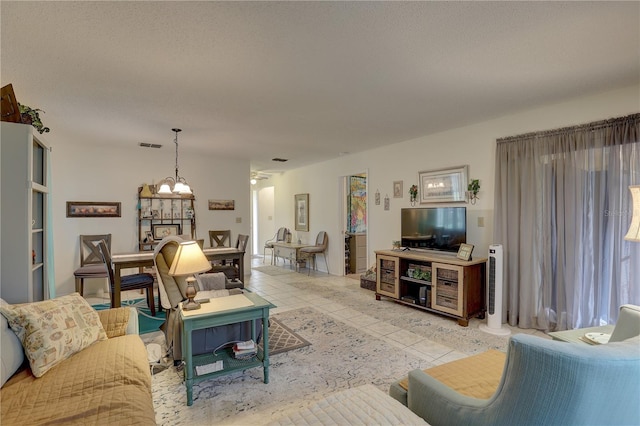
220, 238
91, 264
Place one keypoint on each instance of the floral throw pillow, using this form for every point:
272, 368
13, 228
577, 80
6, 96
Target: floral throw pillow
53, 330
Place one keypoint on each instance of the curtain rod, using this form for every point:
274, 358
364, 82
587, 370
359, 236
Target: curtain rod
596, 125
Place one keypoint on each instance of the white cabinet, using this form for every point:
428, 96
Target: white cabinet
23, 232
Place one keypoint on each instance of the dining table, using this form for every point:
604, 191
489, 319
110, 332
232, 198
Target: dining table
145, 258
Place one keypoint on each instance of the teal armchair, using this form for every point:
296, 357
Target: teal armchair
544, 382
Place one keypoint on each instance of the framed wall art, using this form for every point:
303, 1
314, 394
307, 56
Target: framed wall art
162, 230
301, 212
443, 186
93, 209
222, 204
397, 189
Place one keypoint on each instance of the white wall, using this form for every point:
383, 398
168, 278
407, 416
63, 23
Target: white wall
83, 172
266, 217
472, 145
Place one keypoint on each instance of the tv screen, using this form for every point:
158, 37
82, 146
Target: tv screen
434, 228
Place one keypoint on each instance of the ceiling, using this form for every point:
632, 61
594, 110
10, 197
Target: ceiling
304, 81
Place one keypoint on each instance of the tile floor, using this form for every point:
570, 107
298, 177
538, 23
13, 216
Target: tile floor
276, 289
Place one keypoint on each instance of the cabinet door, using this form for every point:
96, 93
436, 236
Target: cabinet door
388, 271
447, 288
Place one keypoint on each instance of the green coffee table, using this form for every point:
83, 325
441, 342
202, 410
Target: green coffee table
222, 311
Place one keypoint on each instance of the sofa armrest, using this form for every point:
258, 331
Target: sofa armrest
119, 321
439, 404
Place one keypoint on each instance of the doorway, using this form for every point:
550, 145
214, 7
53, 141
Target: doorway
354, 226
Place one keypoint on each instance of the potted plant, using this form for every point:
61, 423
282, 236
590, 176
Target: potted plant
32, 116
472, 189
413, 194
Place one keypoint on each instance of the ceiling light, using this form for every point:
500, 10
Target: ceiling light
180, 185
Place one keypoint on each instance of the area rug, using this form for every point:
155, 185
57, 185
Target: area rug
274, 270
339, 357
147, 323
282, 338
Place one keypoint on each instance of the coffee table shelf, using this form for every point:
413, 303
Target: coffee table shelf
229, 362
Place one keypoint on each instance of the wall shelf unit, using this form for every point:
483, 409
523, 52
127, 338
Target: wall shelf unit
437, 283
159, 215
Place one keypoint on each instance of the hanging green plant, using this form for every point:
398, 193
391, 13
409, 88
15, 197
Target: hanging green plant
32, 116
474, 186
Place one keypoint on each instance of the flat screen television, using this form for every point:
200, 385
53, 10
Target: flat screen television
434, 228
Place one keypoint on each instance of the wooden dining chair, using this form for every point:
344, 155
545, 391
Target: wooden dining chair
128, 282
231, 270
220, 238
91, 264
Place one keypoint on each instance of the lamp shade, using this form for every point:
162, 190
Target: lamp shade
164, 189
634, 230
189, 259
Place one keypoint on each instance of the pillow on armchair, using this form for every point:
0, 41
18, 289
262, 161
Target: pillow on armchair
53, 330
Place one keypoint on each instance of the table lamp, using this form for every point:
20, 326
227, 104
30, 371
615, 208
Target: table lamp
189, 260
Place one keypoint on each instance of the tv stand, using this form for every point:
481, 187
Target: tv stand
433, 282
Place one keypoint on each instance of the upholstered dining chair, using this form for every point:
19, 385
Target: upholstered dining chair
128, 282
322, 243
91, 264
220, 238
279, 237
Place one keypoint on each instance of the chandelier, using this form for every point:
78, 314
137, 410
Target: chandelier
179, 184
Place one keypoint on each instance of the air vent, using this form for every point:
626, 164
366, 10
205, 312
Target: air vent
281, 160
150, 145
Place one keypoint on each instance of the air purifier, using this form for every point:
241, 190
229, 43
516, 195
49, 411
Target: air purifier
494, 293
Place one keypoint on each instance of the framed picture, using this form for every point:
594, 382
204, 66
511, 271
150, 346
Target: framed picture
164, 230
386, 202
377, 198
301, 213
222, 204
397, 189
464, 252
93, 209
148, 237
443, 186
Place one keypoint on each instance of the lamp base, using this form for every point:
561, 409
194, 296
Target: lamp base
191, 292
190, 305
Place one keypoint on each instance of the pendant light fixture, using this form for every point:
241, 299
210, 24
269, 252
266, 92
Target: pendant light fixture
180, 185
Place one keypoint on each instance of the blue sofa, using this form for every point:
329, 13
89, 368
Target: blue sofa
544, 382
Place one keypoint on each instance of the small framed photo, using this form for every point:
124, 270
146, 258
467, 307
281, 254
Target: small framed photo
397, 189
164, 230
148, 237
464, 253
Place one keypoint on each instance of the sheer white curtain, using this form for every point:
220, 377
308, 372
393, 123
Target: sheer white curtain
562, 208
